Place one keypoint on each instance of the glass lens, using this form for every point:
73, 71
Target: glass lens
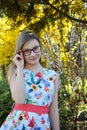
36, 49
27, 52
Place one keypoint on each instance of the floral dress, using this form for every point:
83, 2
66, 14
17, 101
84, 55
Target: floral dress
39, 89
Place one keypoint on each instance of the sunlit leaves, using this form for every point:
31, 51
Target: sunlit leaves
53, 28
8, 36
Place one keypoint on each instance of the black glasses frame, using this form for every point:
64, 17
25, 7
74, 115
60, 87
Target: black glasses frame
30, 50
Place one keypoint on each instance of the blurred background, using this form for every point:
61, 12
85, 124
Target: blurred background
62, 27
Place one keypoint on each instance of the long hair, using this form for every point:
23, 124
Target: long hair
26, 35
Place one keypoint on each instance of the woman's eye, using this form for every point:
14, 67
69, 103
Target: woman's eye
35, 48
26, 51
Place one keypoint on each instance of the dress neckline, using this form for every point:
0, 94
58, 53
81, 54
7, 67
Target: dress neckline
35, 73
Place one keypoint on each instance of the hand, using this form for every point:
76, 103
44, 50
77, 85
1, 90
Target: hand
19, 60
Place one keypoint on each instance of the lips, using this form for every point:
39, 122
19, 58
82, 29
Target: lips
33, 58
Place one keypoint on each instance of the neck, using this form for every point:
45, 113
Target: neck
34, 68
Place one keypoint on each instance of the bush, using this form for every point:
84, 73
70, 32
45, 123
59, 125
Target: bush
5, 100
72, 101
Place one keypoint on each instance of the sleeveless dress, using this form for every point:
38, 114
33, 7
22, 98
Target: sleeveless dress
39, 89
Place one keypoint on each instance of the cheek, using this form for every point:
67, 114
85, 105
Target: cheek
39, 55
26, 58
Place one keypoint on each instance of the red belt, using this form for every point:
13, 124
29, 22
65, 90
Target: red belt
32, 108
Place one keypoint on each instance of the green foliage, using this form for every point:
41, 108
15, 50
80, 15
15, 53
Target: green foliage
74, 10
73, 93
5, 100
63, 49
9, 32
72, 100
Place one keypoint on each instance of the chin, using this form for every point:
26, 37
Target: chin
34, 62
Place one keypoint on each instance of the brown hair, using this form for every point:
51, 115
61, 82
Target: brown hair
26, 35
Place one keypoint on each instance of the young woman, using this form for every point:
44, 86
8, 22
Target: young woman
33, 88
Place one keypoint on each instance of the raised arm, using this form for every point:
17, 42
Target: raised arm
17, 81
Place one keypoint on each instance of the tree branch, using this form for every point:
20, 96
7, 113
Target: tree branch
66, 15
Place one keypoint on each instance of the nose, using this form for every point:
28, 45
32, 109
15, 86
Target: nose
32, 53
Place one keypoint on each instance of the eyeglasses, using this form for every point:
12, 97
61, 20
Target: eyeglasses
27, 52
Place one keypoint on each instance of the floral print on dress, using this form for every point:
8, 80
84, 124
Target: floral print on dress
39, 89
34, 86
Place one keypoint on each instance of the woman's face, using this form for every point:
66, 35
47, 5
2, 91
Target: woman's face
31, 52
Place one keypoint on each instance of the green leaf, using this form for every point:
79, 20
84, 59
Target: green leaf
32, 79
12, 127
38, 81
31, 90
23, 128
29, 83
39, 86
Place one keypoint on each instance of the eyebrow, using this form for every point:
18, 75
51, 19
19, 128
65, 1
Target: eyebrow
30, 49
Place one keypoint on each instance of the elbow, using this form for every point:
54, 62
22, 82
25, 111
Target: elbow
18, 100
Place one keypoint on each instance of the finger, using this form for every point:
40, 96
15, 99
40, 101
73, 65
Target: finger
17, 57
21, 53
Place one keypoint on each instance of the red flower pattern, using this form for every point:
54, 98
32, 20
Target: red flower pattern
43, 121
46, 88
26, 115
14, 122
47, 129
32, 122
39, 74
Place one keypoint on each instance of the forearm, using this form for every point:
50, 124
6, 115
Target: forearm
18, 91
54, 118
